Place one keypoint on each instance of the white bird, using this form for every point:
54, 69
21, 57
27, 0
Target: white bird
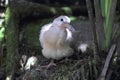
55, 39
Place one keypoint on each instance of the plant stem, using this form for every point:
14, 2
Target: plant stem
91, 17
99, 24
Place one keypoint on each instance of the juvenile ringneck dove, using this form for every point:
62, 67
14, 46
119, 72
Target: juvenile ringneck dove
55, 39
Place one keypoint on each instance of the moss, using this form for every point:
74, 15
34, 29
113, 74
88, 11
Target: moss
64, 73
32, 31
11, 36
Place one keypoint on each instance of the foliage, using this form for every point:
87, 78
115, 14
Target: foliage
67, 10
108, 10
2, 29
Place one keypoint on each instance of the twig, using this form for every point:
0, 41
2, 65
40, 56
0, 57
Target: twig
107, 62
99, 23
92, 21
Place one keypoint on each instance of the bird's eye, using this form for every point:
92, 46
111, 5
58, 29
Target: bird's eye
61, 19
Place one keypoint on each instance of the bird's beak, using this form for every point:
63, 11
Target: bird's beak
68, 26
71, 28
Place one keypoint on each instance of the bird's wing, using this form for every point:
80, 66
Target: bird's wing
42, 31
69, 35
69, 30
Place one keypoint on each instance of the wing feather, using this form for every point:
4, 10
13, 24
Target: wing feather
42, 31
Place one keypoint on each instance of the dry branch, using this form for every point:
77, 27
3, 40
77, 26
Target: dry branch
107, 62
92, 20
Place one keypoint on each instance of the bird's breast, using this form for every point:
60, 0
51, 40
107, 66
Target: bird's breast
55, 36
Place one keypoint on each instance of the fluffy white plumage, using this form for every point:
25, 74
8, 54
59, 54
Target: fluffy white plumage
55, 38
83, 47
32, 61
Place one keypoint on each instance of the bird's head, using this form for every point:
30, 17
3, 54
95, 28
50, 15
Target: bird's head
61, 20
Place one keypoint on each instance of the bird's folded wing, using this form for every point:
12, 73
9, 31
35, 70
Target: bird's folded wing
69, 35
42, 31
